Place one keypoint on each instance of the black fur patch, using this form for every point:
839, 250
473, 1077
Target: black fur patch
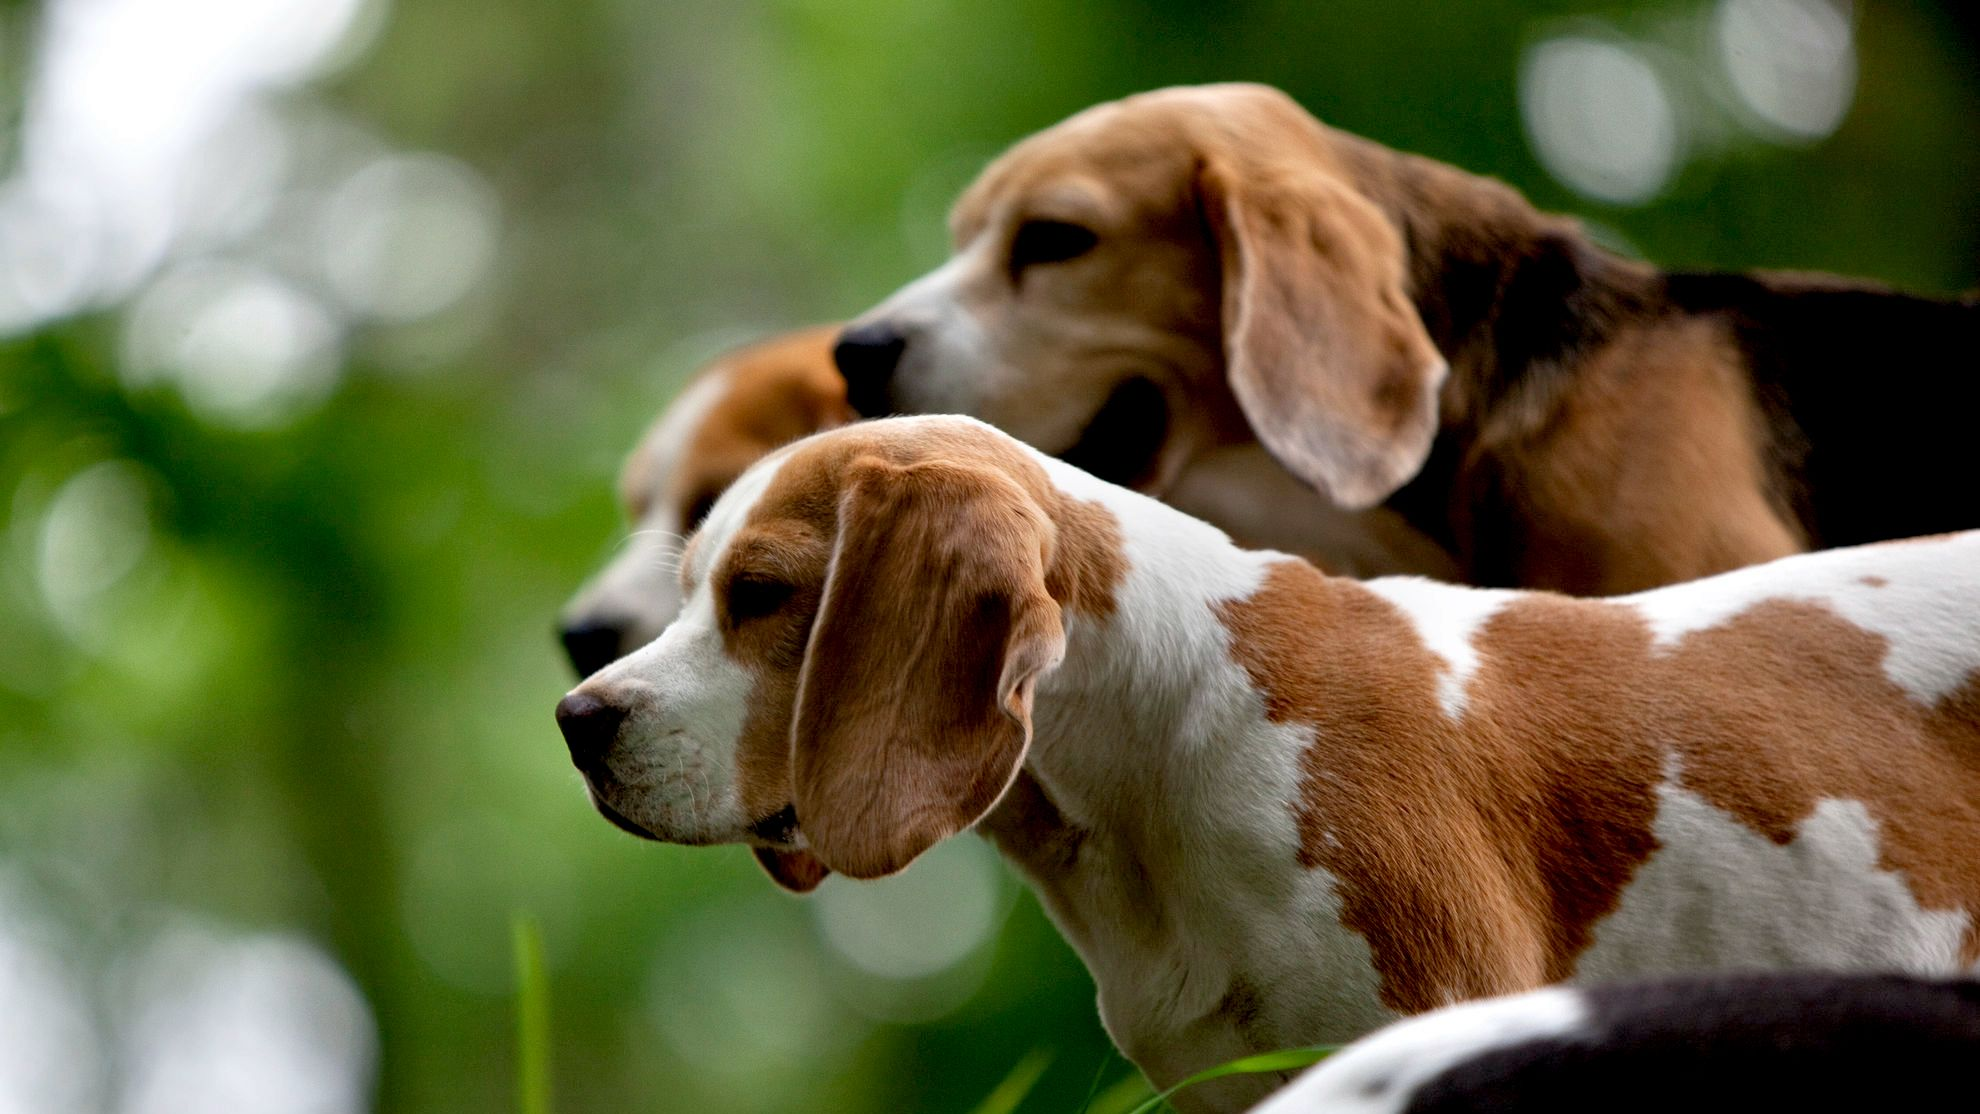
1799, 1042
1870, 399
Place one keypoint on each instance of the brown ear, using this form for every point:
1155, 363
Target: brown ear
797, 871
1322, 346
914, 707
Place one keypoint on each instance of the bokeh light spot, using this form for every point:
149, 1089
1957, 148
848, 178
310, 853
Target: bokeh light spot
97, 529
919, 922
1791, 62
247, 348
263, 1024
1600, 118
409, 236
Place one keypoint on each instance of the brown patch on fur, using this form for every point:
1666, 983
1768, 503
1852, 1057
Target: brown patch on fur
1478, 856
906, 550
1641, 480
1815, 718
1872, 581
774, 392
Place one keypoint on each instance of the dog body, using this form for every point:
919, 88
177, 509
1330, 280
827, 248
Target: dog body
730, 414
1195, 268
1271, 807
1798, 1041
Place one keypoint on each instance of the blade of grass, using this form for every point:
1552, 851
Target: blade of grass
1283, 1060
1093, 1088
532, 1017
1006, 1096
1122, 1095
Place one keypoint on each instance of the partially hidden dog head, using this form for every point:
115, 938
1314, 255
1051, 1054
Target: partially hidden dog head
1162, 274
850, 678
730, 415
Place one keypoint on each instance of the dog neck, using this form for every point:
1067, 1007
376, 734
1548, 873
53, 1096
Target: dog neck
1150, 730
1512, 296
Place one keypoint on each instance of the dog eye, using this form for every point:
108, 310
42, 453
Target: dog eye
753, 598
1049, 241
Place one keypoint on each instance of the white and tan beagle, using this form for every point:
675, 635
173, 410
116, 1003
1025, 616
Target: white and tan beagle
732, 412
1200, 269
1271, 807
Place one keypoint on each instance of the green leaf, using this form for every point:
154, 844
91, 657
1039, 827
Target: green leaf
1283, 1060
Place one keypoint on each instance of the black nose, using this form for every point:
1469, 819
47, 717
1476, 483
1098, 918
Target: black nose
589, 726
867, 356
591, 645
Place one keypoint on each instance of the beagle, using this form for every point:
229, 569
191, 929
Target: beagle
1798, 1041
757, 398
1197, 268
731, 413
1270, 807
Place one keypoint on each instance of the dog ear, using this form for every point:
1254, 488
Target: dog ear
914, 704
1322, 345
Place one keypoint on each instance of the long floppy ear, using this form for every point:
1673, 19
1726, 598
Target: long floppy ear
1322, 346
914, 707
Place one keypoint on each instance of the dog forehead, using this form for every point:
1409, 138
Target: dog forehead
800, 484
1136, 153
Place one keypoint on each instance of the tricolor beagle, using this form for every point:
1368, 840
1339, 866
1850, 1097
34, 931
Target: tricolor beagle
1271, 807
1803, 1041
1199, 268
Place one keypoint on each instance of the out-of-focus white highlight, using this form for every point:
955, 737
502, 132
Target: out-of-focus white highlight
1600, 118
919, 922
121, 112
97, 529
261, 1024
1792, 63
408, 236
246, 347
51, 1058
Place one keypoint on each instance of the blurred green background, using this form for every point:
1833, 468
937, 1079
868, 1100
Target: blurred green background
323, 326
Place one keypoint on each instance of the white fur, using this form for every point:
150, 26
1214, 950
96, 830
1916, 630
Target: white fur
1719, 896
1933, 648
1381, 1073
687, 701
1447, 618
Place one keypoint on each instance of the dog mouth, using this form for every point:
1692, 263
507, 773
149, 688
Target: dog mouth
1124, 438
620, 820
778, 831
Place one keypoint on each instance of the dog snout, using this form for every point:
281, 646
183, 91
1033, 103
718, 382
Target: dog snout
867, 356
591, 644
590, 725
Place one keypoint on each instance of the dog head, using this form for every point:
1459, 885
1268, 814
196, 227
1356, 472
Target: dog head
850, 678
1163, 274
732, 413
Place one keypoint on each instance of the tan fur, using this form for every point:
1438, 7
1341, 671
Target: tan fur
1495, 843
1643, 477
777, 391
